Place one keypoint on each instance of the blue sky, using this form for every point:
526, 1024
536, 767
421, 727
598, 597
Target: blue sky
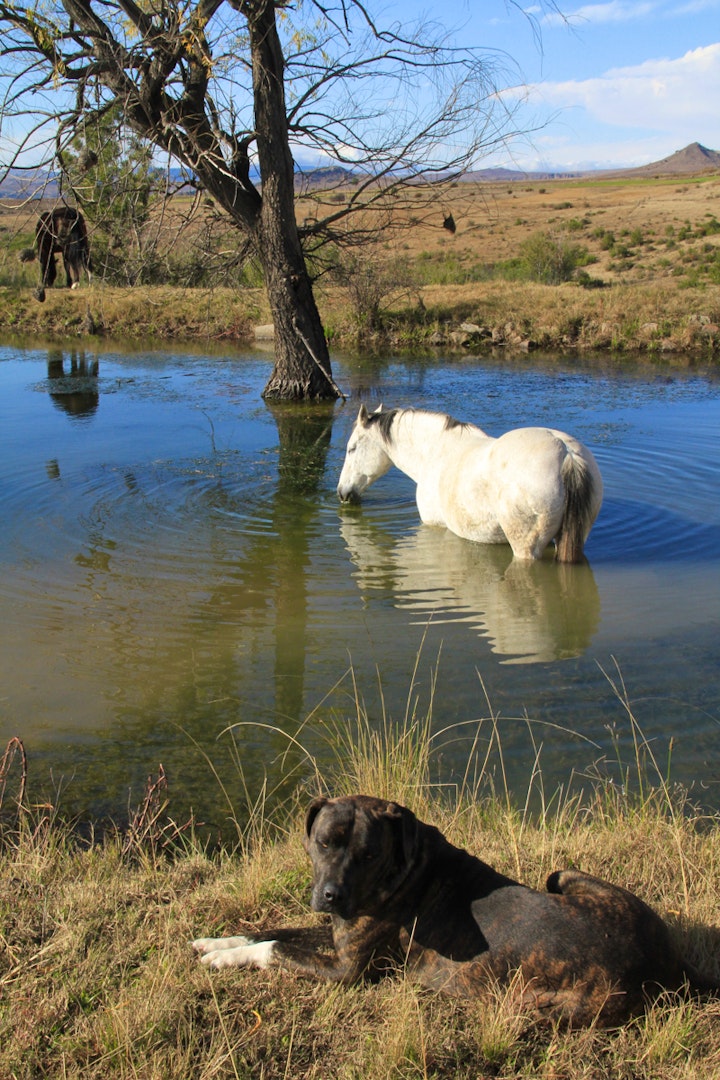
616, 83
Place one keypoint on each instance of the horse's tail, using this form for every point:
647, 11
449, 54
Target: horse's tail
579, 509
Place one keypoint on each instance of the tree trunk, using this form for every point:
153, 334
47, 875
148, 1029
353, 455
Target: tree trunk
302, 362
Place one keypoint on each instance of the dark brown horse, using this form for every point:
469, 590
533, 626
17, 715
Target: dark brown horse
60, 232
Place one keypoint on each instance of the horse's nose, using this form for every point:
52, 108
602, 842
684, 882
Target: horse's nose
347, 495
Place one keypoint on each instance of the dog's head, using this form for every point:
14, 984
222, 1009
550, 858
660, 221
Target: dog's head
361, 849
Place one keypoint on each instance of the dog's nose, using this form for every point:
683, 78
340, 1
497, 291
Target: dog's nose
328, 896
331, 893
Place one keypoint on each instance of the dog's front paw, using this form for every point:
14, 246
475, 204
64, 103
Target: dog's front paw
217, 953
205, 945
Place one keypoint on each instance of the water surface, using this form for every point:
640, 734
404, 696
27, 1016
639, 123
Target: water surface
174, 563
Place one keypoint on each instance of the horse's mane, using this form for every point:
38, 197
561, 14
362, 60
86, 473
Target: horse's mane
385, 419
451, 423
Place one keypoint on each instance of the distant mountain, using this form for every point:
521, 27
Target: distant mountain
693, 160
29, 184
504, 176
327, 176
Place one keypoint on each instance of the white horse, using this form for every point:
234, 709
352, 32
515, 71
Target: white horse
526, 488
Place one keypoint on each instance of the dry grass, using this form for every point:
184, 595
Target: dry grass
97, 979
148, 314
656, 220
654, 243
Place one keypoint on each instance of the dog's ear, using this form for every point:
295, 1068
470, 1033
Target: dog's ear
410, 827
312, 812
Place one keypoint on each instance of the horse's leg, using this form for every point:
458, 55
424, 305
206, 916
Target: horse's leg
75, 252
46, 258
528, 534
70, 273
50, 265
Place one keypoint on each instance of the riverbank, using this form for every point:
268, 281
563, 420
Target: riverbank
654, 320
98, 979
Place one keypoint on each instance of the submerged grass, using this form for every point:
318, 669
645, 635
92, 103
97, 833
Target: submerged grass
97, 979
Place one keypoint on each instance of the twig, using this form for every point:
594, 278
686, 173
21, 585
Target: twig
324, 370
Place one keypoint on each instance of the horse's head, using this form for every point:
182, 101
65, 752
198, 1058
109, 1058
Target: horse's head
365, 458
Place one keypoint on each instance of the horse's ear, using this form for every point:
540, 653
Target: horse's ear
312, 812
379, 408
363, 415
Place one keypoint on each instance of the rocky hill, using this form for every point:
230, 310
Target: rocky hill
693, 160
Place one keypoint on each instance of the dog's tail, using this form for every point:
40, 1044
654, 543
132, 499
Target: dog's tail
680, 974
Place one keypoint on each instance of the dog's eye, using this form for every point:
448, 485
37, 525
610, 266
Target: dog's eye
323, 844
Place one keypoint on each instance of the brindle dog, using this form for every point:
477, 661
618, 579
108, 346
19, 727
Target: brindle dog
585, 951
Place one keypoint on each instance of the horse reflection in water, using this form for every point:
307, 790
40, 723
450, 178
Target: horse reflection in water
531, 612
529, 487
73, 384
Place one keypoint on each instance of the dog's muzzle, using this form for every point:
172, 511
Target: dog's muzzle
331, 898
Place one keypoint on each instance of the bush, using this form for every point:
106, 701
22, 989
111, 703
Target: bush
549, 260
369, 281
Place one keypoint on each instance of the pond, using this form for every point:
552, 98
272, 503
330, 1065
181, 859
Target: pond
179, 585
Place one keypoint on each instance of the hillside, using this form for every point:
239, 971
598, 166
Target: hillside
645, 243
692, 160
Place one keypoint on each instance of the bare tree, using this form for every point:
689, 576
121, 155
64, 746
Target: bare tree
235, 90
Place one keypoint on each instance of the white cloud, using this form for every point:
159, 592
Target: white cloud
694, 7
672, 95
614, 11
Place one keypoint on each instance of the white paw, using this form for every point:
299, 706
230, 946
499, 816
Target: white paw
208, 944
254, 954
75, 285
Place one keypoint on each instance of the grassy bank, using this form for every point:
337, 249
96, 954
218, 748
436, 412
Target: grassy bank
638, 258
97, 978
155, 314
653, 320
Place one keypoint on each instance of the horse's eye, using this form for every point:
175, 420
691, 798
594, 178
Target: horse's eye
351, 449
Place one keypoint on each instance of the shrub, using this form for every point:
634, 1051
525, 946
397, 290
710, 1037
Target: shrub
550, 260
369, 282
